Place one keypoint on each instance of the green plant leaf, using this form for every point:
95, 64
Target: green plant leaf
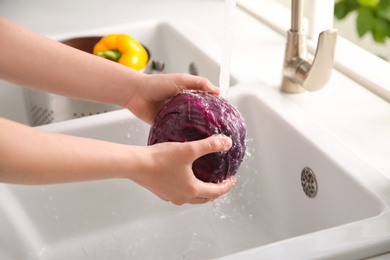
364, 21
383, 9
369, 3
379, 30
388, 28
343, 7
352, 4
372, 16
340, 10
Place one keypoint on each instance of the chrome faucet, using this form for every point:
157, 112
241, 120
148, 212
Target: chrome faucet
299, 74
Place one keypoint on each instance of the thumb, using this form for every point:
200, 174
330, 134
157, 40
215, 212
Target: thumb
212, 144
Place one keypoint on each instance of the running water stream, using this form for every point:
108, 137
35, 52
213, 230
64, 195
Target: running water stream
224, 76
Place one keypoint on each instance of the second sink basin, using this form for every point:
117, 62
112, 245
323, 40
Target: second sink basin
164, 41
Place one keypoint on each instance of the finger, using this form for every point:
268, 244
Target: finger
215, 190
199, 200
206, 192
212, 144
199, 83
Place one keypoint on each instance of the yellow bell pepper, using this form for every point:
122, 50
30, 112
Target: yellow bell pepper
123, 49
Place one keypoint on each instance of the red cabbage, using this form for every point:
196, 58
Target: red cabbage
195, 115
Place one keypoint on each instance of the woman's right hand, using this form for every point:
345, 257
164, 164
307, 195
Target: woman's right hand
170, 175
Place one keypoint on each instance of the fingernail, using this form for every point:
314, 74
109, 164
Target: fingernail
230, 180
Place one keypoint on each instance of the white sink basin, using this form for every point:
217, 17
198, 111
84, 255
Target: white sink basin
266, 216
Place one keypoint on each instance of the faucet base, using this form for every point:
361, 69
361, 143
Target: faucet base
291, 87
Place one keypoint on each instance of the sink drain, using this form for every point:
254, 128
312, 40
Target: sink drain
309, 182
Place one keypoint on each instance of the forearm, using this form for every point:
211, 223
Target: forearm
30, 156
47, 65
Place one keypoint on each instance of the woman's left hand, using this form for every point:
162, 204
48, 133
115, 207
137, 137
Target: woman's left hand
154, 90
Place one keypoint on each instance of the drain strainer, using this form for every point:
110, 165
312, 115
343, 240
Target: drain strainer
309, 182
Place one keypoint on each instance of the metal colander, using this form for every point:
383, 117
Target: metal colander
45, 108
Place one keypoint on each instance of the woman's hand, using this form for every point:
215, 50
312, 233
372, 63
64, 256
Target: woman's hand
154, 90
168, 171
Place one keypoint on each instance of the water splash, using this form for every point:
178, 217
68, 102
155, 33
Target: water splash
205, 229
224, 76
217, 206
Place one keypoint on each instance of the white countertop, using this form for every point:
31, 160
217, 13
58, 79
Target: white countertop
349, 112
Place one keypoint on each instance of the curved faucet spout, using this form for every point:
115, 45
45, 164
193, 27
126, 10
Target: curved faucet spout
299, 74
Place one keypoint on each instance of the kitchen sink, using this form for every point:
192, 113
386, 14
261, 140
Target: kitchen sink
300, 193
